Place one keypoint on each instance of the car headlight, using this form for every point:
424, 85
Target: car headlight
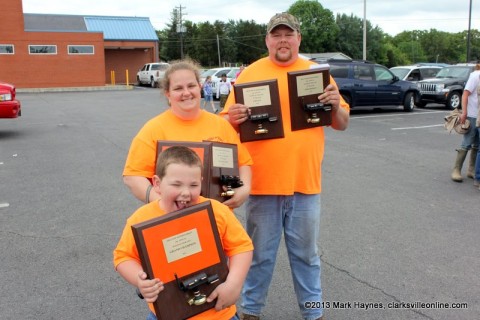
6, 97
440, 87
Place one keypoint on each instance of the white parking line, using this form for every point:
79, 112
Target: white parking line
421, 127
398, 114
4, 205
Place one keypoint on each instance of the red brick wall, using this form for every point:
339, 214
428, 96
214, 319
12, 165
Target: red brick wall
11, 22
54, 70
25, 70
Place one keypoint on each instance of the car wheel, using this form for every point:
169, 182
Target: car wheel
453, 101
409, 102
138, 81
153, 84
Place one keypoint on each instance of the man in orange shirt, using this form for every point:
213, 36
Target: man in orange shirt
178, 180
286, 178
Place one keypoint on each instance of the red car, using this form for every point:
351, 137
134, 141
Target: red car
9, 106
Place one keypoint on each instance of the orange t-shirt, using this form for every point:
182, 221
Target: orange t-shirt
167, 126
235, 240
293, 163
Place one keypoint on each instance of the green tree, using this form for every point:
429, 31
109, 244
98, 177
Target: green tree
249, 39
205, 44
318, 27
350, 36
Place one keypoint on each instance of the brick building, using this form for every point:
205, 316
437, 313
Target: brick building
49, 50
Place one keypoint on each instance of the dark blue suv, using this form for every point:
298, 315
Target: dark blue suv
366, 84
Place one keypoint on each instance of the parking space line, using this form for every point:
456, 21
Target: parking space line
420, 127
397, 114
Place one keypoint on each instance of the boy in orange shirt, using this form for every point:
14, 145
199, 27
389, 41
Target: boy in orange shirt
178, 181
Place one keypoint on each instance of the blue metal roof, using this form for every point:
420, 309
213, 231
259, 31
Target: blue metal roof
122, 28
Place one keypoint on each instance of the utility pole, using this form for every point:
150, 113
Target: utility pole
364, 29
218, 49
180, 28
468, 32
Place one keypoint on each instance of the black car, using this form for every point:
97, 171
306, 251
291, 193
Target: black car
447, 87
367, 84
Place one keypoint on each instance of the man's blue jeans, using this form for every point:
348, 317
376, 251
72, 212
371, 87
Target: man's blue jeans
471, 138
298, 218
477, 163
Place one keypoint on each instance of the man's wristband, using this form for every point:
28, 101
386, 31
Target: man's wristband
147, 194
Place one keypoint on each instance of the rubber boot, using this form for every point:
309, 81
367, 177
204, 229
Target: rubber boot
471, 165
457, 169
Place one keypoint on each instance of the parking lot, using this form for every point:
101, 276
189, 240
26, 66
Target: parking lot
399, 239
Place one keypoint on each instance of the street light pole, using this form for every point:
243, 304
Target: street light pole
468, 32
365, 29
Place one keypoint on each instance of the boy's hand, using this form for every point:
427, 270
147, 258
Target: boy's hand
226, 294
149, 288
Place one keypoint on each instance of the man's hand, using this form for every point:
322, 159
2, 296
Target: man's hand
237, 114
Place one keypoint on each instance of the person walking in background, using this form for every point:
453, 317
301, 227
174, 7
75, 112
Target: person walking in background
286, 178
183, 121
223, 89
239, 71
470, 139
470, 111
208, 94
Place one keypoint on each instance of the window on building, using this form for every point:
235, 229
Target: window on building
7, 49
42, 49
83, 49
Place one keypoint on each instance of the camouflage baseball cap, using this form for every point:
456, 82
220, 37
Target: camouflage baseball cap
283, 18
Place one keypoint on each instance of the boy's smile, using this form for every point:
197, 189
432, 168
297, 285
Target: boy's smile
179, 188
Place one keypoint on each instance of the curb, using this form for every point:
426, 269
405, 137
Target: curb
74, 89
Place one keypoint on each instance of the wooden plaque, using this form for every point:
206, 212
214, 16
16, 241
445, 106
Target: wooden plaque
265, 120
224, 162
179, 246
304, 87
218, 158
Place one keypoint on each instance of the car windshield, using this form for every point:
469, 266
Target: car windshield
454, 72
208, 73
233, 73
159, 66
400, 72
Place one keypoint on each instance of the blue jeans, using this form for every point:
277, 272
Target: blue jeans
477, 163
471, 138
151, 316
298, 218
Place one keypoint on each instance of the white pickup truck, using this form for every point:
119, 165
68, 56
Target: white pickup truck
152, 73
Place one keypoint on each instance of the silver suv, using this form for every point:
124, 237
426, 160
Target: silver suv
152, 73
415, 72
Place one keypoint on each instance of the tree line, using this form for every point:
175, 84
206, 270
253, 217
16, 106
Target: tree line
243, 41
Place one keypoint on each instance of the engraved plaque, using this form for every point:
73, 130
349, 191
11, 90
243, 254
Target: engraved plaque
304, 87
265, 120
194, 231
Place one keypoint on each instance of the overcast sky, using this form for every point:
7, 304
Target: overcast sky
392, 16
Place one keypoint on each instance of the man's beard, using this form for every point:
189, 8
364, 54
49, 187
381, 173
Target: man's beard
283, 57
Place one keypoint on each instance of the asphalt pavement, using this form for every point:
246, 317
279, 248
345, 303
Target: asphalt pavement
399, 239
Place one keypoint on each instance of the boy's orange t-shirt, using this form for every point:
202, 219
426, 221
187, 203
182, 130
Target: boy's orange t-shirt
235, 240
